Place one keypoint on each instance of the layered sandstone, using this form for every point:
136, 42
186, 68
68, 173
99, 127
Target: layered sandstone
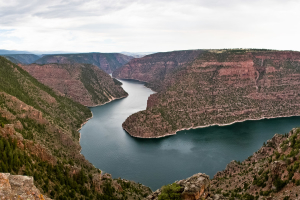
84, 83
193, 188
108, 62
155, 67
221, 87
19, 187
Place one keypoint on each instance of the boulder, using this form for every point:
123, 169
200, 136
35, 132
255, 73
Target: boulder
19, 187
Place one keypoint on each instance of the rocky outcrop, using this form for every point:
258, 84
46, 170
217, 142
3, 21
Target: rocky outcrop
192, 188
108, 62
220, 87
19, 187
270, 173
84, 83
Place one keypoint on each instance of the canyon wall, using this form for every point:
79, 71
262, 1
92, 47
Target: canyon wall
84, 83
220, 87
155, 67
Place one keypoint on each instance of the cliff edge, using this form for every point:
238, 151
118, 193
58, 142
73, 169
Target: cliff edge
220, 87
19, 187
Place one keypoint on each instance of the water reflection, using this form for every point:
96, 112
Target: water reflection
156, 162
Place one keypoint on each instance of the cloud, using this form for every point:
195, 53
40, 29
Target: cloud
140, 25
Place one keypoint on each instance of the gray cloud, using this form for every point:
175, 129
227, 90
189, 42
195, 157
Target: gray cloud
143, 25
20, 10
81, 8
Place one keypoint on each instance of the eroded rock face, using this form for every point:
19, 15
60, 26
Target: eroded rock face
267, 174
84, 83
193, 188
155, 67
19, 187
217, 88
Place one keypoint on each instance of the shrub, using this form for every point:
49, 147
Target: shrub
279, 184
170, 192
286, 198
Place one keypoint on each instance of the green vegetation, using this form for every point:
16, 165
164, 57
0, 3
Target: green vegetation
117, 82
234, 196
88, 78
266, 173
261, 181
170, 192
27, 89
51, 153
57, 180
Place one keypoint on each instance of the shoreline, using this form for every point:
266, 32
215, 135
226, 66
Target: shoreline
93, 115
197, 127
101, 104
136, 80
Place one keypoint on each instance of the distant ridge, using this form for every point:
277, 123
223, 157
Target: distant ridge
108, 62
6, 52
22, 58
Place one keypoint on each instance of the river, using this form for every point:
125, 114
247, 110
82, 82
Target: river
157, 162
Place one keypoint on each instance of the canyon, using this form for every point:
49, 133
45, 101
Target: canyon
39, 134
39, 138
215, 87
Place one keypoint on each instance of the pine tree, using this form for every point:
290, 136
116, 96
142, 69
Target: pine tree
1, 145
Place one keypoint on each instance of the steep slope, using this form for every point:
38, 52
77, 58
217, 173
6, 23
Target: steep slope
22, 58
272, 172
84, 83
108, 62
153, 68
39, 137
221, 87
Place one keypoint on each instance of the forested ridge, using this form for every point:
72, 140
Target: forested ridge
39, 137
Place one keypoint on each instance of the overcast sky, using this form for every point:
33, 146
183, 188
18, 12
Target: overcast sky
148, 25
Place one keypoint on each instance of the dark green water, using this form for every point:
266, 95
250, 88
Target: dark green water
156, 162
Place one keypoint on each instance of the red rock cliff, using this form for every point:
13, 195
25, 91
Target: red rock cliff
84, 83
221, 87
